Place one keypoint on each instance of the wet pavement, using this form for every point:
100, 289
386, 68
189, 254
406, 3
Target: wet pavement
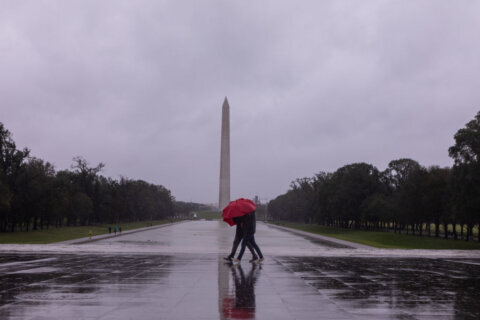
177, 272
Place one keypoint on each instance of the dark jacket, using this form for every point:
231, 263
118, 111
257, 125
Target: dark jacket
239, 232
249, 223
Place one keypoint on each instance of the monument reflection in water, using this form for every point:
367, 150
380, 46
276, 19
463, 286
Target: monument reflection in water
237, 301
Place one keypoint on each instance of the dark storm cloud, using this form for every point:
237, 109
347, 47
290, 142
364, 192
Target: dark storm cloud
312, 86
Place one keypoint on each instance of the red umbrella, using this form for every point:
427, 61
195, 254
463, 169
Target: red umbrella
230, 311
237, 208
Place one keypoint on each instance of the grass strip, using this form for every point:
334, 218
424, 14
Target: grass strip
383, 239
69, 233
209, 215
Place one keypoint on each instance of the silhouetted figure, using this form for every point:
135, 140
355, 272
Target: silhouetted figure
244, 287
109, 229
238, 238
249, 228
242, 306
120, 230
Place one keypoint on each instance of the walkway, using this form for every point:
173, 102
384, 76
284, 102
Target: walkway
177, 272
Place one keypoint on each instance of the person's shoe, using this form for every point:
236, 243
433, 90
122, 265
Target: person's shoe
228, 258
254, 259
260, 260
235, 260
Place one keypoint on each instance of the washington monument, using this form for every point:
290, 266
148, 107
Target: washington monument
224, 195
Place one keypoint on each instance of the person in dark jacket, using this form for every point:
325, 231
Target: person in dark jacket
238, 237
249, 228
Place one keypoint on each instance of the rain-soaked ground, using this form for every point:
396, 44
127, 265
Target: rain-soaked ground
177, 272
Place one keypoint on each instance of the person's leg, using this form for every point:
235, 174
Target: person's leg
257, 248
246, 239
236, 242
252, 251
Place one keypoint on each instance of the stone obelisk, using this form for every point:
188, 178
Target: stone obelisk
224, 196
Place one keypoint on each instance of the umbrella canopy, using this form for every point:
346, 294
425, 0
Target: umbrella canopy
237, 208
230, 311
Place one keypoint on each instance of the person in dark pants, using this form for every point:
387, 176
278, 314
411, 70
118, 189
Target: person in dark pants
249, 228
238, 237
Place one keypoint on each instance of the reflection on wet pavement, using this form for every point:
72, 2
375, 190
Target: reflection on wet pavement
179, 285
204, 287
239, 302
395, 288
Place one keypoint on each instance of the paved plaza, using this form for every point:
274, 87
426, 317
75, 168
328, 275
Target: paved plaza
177, 272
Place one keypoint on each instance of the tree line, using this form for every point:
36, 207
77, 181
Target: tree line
406, 197
34, 195
184, 209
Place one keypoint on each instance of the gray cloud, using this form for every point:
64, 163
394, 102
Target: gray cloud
312, 86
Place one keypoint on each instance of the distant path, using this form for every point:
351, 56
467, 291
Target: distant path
177, 272
216, 237
344, 243
113, 234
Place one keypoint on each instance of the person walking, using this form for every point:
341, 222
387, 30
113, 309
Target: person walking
238, 238
249, 228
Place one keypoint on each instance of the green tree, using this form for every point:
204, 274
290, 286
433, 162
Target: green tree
399, 171
33, 194
33, 198
394, 178
437, 197
410, 200
466, 150
280, 208
81, 207
466, 174
5, 202
11, 161
86, 178
352, 185
376, 209
324, 189
302, 194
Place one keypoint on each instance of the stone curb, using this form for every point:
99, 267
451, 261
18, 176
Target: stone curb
112, 235
348, 244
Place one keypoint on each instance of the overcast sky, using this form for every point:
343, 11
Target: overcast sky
312, 86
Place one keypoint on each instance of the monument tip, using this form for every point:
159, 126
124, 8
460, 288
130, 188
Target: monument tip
224, 194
